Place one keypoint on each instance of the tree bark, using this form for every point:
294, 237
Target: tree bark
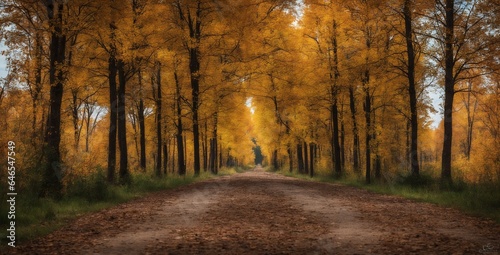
275, 160
75, 107
355, 141
306, 159
204, 146
165, 158
113, 117
415, 170
214, 146
312, 149
142, 128
335, 140
122, 124
367, 108
180, 144
194, 68
342, 143
52, 178
449, 91
300, 158
159, 139
470, 121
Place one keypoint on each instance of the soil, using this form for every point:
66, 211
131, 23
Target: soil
263, 213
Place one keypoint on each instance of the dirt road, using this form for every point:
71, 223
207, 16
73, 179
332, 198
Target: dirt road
263, 213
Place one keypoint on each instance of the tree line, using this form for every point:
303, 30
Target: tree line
332, 85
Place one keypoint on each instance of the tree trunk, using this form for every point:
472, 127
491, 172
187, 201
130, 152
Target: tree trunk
275, 160
306, 159
300, 158
113, 117
342, 144
194, 68
415, 170
165, 157
142, 128
159, 139
52, 178
75, 118
214, 146
312, 149
335, 140
122, 124
219, 150
470, 120
88, 120
35, 93
449, 92
180, 144
355, 141
367, 108
204, 146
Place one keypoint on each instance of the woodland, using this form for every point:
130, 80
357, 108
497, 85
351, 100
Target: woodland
172, 88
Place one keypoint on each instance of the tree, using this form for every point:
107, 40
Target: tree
457, 25
52, 184
407, 11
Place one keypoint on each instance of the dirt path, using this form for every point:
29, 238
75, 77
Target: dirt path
263, 213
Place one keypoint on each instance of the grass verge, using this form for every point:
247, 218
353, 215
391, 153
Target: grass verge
481, 199
36, 217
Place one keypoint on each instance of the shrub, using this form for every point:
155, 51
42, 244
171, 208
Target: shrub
92, 187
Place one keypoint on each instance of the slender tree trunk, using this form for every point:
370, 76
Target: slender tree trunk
312, 149
300, 158
113, 107
470, 120
367, 108
275, 160
173, 155
214, 146
408, 145
306, 159
355, 141
87, 127
449, 91
415, 170
52, 178
334, 76
335, 140
219, 150
378, 159
205, 146
159, 139
194, 68
342, 144
142, 128
35, 93
165, 157
75, 118
180, 145
212, 155
122, 124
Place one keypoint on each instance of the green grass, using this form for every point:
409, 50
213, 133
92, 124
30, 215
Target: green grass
481, 199
37, 217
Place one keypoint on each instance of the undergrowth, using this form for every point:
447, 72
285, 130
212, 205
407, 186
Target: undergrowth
37, 217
